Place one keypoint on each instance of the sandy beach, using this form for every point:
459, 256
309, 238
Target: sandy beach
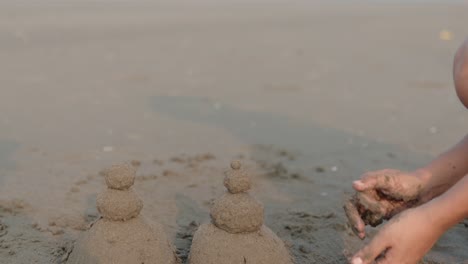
308, 95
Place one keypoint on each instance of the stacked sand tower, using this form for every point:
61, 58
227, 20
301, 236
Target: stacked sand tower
122, 236
236, 234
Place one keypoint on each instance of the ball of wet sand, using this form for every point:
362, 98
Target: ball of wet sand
119, 205
120, 177
236, 180
237, 213
236, 165
237, 183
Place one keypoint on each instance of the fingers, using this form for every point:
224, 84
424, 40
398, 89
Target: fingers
356, 261
395, 209
384, 261
369, 253
360, 186
354, 219
387, 258
367, 181
382, 179
370, 201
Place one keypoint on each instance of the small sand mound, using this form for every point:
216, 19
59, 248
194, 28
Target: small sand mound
212, 245
120, 177
237, 213
237, 180
119, 205
122, 236
237, 234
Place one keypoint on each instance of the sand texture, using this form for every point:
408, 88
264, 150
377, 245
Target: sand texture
120, 177
237, 233
119, 205
372, 208
129, 242
237, 213
236, 179
212, 245
309, 95
120, 236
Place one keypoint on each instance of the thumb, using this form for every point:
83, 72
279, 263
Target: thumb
359, 185
365, 183
370, 252
372, 180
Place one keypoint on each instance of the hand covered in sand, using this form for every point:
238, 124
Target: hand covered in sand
404, 239
381, 195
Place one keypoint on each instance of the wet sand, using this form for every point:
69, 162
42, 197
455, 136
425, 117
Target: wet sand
308, 95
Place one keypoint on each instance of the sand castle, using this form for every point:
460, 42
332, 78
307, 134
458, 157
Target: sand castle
236, 234
122, 236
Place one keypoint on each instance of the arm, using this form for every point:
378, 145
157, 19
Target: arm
451, 207
445, 171
409, 189
441, 187
416, 187
450, 167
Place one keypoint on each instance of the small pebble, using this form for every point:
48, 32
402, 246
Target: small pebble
236, 165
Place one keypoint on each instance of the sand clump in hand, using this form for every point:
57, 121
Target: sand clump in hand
372, 208
122, 236
237, 234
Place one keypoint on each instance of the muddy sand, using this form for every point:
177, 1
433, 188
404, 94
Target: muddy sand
307, 94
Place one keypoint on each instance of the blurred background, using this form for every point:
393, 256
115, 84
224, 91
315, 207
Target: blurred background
310, 94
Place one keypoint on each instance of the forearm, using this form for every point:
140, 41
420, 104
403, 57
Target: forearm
450, 167
451, 207
445, 171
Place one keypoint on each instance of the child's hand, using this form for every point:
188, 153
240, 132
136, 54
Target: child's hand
404, 239
383, 194
395, 184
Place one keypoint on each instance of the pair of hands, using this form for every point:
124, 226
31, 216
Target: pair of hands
408, 236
